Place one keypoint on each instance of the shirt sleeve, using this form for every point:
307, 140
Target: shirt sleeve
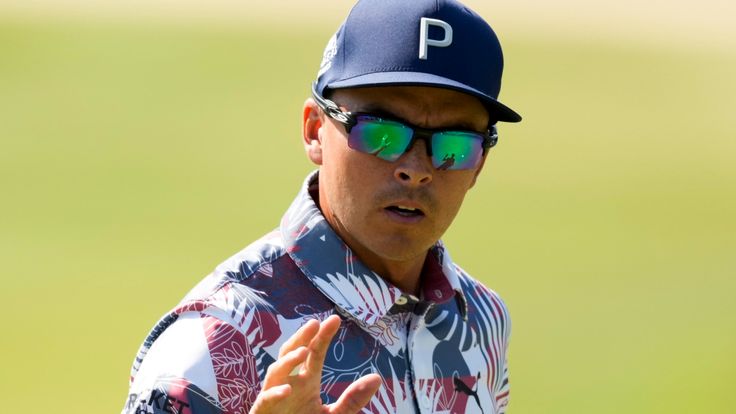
502, 395
198, 365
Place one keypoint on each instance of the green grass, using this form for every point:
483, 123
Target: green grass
133, 159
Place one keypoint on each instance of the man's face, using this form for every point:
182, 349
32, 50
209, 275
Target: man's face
365, 198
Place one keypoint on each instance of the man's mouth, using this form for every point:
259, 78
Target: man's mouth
405, 211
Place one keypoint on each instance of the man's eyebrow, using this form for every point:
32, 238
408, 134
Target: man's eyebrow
378, 110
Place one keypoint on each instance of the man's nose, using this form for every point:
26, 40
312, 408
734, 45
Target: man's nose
414, 167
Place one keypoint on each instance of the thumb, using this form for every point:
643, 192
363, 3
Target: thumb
357, 395
269, 400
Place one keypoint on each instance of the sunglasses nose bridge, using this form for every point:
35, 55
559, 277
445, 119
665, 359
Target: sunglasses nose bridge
425, 136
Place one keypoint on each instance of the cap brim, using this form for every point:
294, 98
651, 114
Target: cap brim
496, 109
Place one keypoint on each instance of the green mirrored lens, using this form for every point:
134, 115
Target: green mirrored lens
456, 150
385, 139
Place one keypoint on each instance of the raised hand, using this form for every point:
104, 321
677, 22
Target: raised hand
292, 383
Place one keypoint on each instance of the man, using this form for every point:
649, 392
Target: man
353, 304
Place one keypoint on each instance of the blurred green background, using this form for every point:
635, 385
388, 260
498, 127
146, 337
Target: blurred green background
138, 152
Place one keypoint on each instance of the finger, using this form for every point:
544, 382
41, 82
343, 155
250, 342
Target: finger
357, 395
279, 371
321, 342
301, 337
269, 400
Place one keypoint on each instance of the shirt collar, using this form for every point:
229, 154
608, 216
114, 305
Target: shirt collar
333, 268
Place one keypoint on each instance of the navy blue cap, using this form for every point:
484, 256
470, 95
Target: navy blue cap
439, 43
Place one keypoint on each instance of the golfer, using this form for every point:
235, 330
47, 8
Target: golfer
353, 303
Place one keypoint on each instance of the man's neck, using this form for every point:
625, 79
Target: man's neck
404, 274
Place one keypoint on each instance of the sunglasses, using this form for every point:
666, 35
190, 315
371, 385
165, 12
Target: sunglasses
388, 138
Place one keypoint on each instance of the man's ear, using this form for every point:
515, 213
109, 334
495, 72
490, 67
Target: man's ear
311, 125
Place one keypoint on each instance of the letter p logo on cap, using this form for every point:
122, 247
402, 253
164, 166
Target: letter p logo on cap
425, 41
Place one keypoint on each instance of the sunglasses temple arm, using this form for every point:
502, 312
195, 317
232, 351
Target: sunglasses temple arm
492, 139
332, 109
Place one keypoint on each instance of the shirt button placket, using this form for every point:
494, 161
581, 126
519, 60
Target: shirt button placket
423, 401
